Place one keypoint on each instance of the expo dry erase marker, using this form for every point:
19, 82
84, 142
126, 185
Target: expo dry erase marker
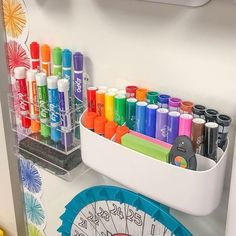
186, 107
91, 99
224, 122
20, 77
34, 54
57, 61
211, 115
64, 106
172, 126
161, 124
109, 106
152, 97
140, 122
151, 120
89, 118
32, 96
197, 135
141, 94
46, 58
100, 102
185, 124
211, 140
174, 104
120, 109
163, 101
131, 91
53, 103
42, 93
131, 112
199, 111
66, 70
78, 61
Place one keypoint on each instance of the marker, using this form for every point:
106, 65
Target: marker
89, 118
110, 129
57, 61
42, 92
186, 107
151, 120
131, 91
141, 117
100, 102
173, 126
199, 111
185, 124
174, 104
211, 140
99, 125
152, 97
20, 76
46, 58
91, 96
78, 61
120, 109
121, 131
32, 96
224, 122
141, 94
197, 135
211, 115
161, 124
163, 101
64, 106
66, 70
109, 106
53, 102
34, 53
131, 113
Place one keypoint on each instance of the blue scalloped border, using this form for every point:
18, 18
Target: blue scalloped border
103, 193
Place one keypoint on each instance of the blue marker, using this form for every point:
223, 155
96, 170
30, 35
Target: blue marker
151, 112
140, 117
53, 102
66, 69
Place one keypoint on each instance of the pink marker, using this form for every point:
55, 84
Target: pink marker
185, 124
150, 139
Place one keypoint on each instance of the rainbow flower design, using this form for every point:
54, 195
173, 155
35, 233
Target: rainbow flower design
34, 209
33, 230
30, 176
17, 55
14, 18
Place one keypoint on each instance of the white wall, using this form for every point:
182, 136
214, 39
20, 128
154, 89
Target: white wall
7, 214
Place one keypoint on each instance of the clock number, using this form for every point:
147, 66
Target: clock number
153, 229
78, 233
83, 223
114, 210
135, 217
130, 216
117, 211
93, 218
103, 214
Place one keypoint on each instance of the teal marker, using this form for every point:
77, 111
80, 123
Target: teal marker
57, 61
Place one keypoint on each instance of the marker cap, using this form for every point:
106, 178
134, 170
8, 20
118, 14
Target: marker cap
89, 118
110, 129
99, 125
34, 50
19, 72
211, 115
152, 97
25, 121
141, 94
35, 126
186, 107
163, 98
174, 102
224, 120
78, 61
63, 85
52, 82
120, 131
41, 79
45, 53
30, 75
66, 58
45, 130
57, 56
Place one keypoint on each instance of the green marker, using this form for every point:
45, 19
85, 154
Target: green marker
131, 112
120, 101
42, 91
152, 97
57, 61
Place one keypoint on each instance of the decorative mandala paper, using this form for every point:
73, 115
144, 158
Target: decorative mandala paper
34, 231
30, 176
17, 55
34, 209
14, 17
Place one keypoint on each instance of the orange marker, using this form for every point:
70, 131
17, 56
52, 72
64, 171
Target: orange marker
46, 58
89, 118
110, 129
99, 125
141, 94
120, 131
100, 102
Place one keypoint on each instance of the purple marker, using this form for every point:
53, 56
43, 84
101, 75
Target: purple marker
161, 124
64, 108
174, 104
173, 126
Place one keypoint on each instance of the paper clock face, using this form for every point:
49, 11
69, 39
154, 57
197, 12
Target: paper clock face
112, 211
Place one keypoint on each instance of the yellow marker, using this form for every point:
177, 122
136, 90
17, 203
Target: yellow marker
109, 106
1, 233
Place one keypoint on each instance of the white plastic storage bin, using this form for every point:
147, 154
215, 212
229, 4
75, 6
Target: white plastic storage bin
193, 192
192, 3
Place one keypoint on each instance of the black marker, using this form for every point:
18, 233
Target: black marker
211, 115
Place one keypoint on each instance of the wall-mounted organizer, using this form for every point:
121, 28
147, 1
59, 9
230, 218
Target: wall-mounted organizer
192, 3
179, 188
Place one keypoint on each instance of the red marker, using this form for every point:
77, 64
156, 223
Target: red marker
91, 97
34, 53
20, 76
